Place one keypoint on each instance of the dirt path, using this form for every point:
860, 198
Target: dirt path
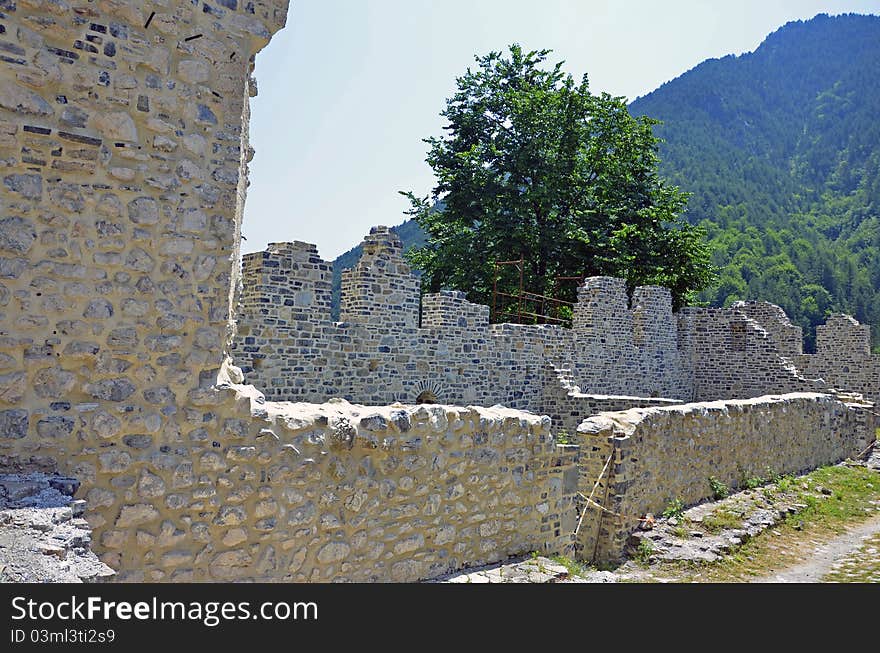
824, 556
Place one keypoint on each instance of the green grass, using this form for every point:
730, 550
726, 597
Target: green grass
644, 551
719, 488
674, 510
574, 567
720, 520
853, 488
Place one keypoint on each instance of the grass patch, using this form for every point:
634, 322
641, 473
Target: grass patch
851, 490
785, 483
720, 520
719, 488
752, 482
674, 510
644, 551
682, 530
574, 567
821, 517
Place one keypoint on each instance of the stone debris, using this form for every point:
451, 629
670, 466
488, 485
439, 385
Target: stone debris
43, 538
522, 570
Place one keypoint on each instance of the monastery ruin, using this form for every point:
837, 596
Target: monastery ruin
215, 424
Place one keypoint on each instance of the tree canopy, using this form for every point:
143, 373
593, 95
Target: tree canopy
535, 167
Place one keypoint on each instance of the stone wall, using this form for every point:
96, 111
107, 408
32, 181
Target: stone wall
627, 346
380, 289
787, 339
123, 147
340, 492
843, 357
288, 346
733, 356
618, 345
123, 142
663, 453
567, 406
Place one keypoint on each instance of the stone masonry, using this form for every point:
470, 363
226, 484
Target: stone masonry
632, 348
288, 346
123, 162
123, 147
644, 458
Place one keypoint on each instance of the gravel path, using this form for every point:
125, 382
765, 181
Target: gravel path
823, 559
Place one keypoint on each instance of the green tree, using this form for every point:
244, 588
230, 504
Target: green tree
535, 167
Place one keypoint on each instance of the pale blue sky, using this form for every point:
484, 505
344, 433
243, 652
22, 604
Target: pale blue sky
348, 90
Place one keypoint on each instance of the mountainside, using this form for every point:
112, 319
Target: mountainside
780, 148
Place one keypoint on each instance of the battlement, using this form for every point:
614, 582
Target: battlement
844, 338
652, 315
449, 309
602, 309
787, 337
378, 353
124, 139
618, 345
285, 283
381, 288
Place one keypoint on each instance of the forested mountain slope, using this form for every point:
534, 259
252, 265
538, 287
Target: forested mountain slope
781, 150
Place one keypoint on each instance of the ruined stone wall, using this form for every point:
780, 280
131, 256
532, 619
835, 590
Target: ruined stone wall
339, 492
378, 353
123, 153
567, 406
123, 141
627, 351
380, 289
843, 357
787, 338
618, 346
288, 346
735, 357
663, 453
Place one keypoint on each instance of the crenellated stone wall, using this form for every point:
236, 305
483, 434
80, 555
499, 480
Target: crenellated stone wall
843, 357
379, 352
735, 357
618, 345
380, 289
643, 458
123, 174
123, 146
